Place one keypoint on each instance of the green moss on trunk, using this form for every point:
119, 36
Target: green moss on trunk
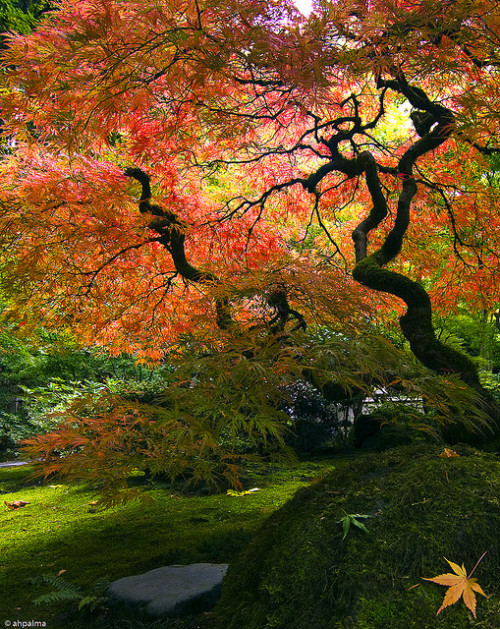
416, 325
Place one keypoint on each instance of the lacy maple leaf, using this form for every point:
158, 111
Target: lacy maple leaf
447, 453
459, 585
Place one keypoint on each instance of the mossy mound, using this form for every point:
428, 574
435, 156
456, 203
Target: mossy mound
299, 573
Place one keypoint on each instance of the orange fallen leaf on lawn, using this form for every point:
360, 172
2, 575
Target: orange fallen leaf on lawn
447, 453
459, 585
17, 504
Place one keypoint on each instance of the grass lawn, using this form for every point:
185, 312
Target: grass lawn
61, 530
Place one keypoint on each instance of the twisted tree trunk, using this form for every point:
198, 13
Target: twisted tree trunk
416, 323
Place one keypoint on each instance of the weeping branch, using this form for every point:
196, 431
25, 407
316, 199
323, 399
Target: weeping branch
171, 234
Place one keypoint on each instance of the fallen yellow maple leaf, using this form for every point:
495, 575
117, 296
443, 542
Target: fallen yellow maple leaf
459, 584
17, 504
232, 492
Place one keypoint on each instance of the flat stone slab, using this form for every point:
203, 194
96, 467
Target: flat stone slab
171, 590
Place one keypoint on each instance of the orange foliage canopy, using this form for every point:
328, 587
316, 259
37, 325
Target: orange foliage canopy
257, 128
196, 165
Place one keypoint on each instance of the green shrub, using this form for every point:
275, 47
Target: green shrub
93, 600
11, 431
391, 424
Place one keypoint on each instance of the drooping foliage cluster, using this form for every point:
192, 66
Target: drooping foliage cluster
44, 372
242, 173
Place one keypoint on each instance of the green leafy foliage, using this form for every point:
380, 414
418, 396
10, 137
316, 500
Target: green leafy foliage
62, 590
491, 382
477, 335
21, 16
43, 373
13, 429
12, 18
216, 406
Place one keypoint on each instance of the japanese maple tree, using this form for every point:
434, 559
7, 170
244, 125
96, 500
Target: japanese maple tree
297, 165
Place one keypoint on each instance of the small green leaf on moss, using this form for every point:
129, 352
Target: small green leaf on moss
352, 519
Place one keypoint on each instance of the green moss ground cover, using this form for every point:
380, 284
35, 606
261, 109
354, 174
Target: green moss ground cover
60, 530
290, 567
299, 573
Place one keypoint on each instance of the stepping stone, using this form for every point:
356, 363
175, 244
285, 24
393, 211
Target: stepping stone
171, 590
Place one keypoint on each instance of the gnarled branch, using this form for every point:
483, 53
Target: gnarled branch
171, 234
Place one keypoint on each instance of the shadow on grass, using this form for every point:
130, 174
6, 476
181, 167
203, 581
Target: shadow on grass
61, 530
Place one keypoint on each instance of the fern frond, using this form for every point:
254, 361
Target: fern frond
63, 590
56, 597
